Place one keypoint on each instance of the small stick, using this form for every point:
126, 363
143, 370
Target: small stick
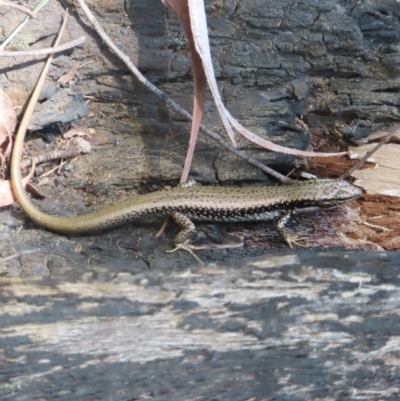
19, 255
162, 229
48, 50
367, 155
18, 7
47, 173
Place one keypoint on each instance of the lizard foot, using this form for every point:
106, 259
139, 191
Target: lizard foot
185, 246
295, 240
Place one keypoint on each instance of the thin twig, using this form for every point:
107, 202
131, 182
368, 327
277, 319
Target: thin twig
368, 155
18, 7
49, 172
48, 50
19, 255
72, 72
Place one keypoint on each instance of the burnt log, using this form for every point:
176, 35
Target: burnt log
298, 326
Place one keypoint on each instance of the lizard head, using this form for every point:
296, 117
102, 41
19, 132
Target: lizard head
335, 192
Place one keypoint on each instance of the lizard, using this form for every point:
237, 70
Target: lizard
188, 203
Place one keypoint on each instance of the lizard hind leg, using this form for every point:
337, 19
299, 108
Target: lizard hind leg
182, 240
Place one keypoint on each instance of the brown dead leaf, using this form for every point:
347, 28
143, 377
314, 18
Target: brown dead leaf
181, 8
34, 191
6, 194
8, 120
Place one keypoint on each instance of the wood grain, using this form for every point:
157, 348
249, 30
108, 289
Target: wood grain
288, 325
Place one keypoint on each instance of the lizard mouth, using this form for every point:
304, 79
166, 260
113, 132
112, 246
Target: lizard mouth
352, 191
347, 192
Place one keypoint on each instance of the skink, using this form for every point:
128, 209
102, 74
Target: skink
197, 203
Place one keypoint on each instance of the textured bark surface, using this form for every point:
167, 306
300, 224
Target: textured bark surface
323, 326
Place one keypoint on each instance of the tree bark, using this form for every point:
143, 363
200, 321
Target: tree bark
302, 326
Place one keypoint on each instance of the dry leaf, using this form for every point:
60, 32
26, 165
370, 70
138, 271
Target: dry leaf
6, 194
8, 119
34, 191
198, 21
181, 8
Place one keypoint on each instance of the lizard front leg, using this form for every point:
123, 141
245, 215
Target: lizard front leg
284, 233
182, 240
